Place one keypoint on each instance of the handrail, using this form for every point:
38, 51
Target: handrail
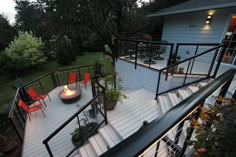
35, 80
200, 54
145, 137
189, 60
201, 44
144, 41
85, 66
61, 70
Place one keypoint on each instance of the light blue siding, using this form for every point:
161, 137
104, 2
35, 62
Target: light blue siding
191, 28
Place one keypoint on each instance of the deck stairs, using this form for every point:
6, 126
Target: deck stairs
129, 115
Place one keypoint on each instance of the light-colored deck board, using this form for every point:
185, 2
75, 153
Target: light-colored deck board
129, 115
86, 151
98, 144
113, 134
41, 127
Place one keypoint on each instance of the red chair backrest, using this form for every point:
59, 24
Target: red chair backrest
86, 76
32, 93
72, 76
23, 105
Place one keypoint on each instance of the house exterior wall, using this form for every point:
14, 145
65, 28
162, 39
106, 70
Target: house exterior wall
143, 77
191, 28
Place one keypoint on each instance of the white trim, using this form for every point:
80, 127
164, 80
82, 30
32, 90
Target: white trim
233, 4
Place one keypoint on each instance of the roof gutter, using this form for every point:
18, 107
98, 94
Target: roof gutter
233, 4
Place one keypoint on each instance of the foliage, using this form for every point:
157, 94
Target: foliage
7, 32
215, 135
25, 52
65, 54
31, 17
112, 83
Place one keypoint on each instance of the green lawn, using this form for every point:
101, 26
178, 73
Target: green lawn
6, 82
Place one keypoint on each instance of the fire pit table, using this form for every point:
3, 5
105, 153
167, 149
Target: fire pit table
70, 95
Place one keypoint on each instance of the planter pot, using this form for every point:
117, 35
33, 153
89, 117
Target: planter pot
226, 59
110, 104
77, 142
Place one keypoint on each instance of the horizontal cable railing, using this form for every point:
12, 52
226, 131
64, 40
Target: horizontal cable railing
142, 52
17, 117
46, 84
93, 113
169, 135
187, 50
189, 70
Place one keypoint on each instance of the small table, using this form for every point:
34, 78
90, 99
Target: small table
70, 97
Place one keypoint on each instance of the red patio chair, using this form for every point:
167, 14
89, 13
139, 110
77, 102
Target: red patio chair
28, 109
33, 94
73, 78
86, 79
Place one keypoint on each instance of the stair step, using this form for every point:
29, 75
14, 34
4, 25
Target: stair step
173, 98
164, 103
129, 115
183, 93
202, 84
193, 89
86, 151
110, 136
98, 144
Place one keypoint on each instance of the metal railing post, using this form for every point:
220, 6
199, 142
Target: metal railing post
48, 149
194, 59
219, 61
41, 87
191, 130
186, 74
136, 53
225, 88
212, 62
158, 84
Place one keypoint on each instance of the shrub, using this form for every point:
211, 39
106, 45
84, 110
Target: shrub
65, 55
25, 51
215, 132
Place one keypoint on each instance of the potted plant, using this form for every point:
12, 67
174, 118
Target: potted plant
88, 129
111, 82
82, 133
78, 136
215, 131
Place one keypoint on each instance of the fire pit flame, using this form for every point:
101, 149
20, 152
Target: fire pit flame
68, 92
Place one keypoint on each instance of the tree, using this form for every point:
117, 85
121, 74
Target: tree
7, 32
25, 52
31, 17
65, 55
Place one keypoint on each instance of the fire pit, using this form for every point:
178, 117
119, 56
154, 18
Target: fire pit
71, 95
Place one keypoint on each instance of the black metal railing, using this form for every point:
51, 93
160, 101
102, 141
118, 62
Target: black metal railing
44, 85
187, 50
93, 112
142, 52
17, 117
168, 134
185, 71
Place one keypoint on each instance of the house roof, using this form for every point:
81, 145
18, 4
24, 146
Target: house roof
194, 5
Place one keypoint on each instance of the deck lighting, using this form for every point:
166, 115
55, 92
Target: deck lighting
208, 20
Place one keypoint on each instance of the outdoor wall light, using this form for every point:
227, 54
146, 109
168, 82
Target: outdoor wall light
208, 20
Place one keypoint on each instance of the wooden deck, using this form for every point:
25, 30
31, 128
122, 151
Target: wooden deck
128, 116
41, 127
